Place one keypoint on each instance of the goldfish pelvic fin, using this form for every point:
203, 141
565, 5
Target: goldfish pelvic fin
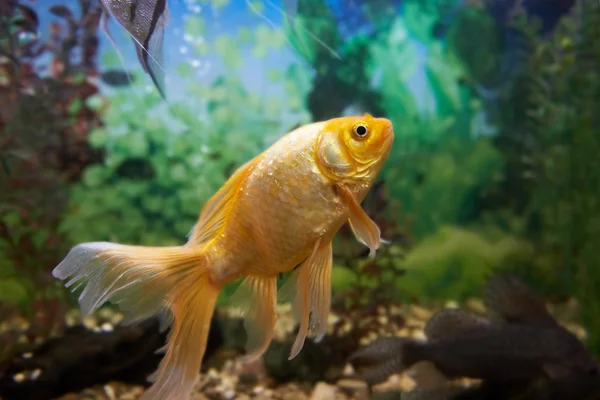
366, 231
218, 208
309, 288
145, 281
320, 291
451, 321
256, 297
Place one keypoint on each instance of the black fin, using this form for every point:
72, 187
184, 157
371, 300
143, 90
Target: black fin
515, 302
145, 22
385, 356
451, 321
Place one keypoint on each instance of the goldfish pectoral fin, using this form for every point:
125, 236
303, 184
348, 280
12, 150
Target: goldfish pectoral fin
366, 231
217, 209
320, 291
258, 295
451, 321
146, 281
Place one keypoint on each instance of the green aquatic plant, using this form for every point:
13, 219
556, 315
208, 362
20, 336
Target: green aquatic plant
163, 163
43, 140
475, 40
313, 33
549, 128
160, 167
443, 184
454, 262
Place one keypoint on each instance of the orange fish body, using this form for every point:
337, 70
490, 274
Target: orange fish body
279, 210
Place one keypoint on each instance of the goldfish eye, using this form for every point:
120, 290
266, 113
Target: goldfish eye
361, 130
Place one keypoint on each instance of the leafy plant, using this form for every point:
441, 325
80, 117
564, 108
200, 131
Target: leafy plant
44, 124
454, 263
43, 128
445, 183
549, 135
161, 165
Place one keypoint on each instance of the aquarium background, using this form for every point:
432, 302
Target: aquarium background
495, 165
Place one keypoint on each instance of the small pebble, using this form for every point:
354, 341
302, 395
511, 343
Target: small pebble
110, 392
355, 388
476, 305
20, 377
35, 374
419, 334
323, 391
258, 389
420, 313
451, 304
89, 322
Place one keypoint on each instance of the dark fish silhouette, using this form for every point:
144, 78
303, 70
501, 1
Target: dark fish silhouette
525, 344
116, 78
145, 22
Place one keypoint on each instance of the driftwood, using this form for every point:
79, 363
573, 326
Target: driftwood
82, 358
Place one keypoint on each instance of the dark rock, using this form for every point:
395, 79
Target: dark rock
321, 361
391, 395
309, 365
82, 358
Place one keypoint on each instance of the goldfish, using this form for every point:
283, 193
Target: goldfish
524, 343
277, 213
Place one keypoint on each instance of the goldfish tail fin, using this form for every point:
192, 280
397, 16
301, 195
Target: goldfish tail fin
386, 356
145, 281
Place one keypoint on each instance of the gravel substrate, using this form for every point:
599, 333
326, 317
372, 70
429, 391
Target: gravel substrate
229, 379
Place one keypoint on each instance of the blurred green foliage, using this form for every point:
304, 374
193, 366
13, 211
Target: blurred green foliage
157, 182
455, 262
521, 195
43, 147
163, 163
553, 140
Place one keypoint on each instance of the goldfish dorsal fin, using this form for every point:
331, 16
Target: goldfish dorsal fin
452, 321
217, 209
368, 117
